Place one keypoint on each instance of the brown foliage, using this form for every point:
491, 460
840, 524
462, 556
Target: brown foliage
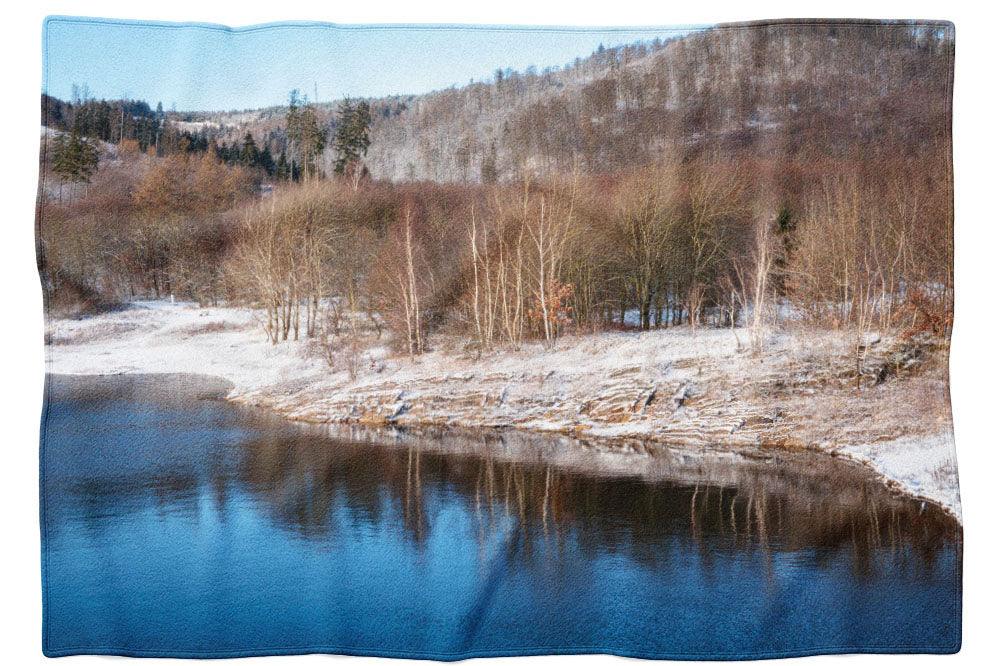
145, 227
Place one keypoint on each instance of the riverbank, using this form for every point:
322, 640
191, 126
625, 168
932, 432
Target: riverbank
698, 389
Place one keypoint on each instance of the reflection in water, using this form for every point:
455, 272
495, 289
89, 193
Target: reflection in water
805, 504
234, 531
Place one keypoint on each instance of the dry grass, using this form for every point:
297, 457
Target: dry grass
88, 335
830, 403
213, 327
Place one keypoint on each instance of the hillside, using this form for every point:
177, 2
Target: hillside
771, 89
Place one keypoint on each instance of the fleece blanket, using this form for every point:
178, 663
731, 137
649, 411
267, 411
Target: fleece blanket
461, 341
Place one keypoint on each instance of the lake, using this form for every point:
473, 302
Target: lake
176, 523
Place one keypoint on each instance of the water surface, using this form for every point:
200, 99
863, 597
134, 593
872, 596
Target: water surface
175, 523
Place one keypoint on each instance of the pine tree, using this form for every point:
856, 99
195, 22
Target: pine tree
249, 155
304, 132
74, 159
352, 138
282, 171
266, 161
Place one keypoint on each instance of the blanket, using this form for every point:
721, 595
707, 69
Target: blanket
460, 341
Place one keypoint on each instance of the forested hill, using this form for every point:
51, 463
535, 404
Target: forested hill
769, 88
766, 89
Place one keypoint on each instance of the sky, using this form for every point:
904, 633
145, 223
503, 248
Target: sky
202, 67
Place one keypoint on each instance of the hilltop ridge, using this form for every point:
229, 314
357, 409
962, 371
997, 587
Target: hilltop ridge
768, 89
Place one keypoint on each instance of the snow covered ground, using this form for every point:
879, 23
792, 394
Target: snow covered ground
922, 466
158, 336
696, 389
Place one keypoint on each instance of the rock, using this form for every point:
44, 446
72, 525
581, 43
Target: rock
649, 399
682, 393
398, 410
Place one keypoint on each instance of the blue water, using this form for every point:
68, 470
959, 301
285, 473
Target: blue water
177, 524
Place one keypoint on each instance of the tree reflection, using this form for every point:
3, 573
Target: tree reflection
301, 479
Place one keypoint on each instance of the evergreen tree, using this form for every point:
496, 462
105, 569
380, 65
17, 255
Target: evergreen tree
352, 138
283, 171
304, 132
266, 161
249, 155
784, 228
74, 159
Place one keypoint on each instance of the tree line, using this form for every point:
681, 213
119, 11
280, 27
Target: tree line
291, 154
710, 242
806, 192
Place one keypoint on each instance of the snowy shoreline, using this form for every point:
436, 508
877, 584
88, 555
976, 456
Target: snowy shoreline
675, 387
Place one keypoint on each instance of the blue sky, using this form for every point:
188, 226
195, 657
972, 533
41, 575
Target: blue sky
194, 67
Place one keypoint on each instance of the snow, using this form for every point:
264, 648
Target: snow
683, 388
158, 336
924, 467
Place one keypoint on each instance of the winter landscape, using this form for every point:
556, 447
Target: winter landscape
700, 391
619, 340
656, 242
